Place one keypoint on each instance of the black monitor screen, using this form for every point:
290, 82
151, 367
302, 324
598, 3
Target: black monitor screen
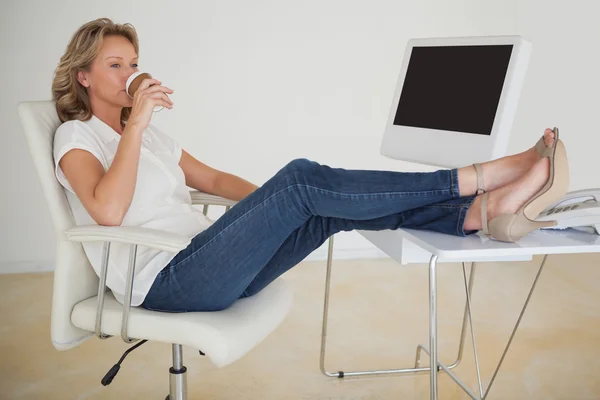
455, 88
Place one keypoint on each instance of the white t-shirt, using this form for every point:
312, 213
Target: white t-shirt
161, 200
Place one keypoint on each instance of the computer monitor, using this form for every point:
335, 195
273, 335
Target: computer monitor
456, 99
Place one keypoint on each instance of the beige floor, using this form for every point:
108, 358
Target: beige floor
378, 316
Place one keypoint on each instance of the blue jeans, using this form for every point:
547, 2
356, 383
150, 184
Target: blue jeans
290, 216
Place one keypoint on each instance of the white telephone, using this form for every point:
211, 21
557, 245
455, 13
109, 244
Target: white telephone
579, 210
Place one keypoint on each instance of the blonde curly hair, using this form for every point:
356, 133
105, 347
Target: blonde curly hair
70, 97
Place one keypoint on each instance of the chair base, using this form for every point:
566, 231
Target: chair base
178, 378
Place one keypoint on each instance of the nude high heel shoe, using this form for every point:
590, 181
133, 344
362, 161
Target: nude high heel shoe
512, 227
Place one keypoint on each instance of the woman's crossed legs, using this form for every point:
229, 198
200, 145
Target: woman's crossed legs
300, 207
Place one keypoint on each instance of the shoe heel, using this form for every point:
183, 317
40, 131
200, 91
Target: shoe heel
512, 227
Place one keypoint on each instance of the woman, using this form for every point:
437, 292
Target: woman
117, 169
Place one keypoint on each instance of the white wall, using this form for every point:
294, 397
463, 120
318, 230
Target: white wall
563, 83
260, 83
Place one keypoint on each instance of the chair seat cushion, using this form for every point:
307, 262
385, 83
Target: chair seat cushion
224, 336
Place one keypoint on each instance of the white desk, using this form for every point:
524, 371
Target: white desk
473, 248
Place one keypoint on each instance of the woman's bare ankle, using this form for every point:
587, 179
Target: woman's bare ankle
496, 173
473, 217
508, 198
467, 181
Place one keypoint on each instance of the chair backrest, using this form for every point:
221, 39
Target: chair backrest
74, 278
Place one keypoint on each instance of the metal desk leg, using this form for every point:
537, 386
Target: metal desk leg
342, 374
456, 378
463, 331
433, 382
512, 335
416, 368
432, 334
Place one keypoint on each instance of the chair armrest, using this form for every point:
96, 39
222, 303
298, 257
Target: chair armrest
210, 199
134, 236
154, 238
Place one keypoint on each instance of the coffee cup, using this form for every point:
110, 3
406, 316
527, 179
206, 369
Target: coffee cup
133, 83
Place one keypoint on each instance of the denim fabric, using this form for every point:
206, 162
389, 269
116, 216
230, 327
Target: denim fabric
291, 215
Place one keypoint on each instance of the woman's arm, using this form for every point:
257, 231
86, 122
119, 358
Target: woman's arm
105, 196
232, 187
201, 177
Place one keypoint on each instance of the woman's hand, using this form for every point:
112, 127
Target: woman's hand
149, 95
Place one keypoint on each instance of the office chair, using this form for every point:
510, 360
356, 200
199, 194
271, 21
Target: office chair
83, 307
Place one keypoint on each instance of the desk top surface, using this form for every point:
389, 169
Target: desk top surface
458, 248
